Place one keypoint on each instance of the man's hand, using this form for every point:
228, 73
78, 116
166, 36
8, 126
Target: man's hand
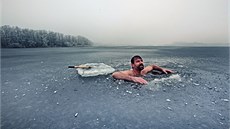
124, 75
166, 71
139, 80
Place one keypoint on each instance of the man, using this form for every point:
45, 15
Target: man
137, 71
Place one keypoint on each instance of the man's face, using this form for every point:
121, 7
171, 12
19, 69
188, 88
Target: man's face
138, 64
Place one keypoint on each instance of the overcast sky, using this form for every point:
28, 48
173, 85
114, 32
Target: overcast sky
124, 22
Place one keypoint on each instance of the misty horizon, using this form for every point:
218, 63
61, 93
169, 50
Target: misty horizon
123, 23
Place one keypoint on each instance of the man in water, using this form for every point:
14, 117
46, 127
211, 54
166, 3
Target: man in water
138, 70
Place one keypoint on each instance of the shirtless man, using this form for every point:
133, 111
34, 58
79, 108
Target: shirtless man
137, 71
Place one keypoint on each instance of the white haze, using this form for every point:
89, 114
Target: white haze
124, 22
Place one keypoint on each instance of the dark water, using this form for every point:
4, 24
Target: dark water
38, 91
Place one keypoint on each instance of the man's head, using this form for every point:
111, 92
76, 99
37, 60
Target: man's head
137, 63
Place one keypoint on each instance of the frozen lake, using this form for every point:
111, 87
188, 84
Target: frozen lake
38, 91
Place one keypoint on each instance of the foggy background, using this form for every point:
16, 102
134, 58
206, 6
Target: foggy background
125, 22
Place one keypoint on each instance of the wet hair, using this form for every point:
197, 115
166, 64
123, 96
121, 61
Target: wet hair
134, 58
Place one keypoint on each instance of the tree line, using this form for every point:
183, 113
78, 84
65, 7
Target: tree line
15, 37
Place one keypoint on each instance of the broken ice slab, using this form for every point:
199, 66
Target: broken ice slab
196, 84
130, 92
76, 114
225, 100
169, 108
168, 100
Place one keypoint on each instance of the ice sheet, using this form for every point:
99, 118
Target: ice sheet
97, 69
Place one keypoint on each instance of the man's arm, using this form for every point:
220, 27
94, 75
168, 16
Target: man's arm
166, 71
155, 67
123, 75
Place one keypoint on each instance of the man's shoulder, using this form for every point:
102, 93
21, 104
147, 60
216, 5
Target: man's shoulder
127, 71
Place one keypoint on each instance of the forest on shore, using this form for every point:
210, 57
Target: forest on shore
16, 37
